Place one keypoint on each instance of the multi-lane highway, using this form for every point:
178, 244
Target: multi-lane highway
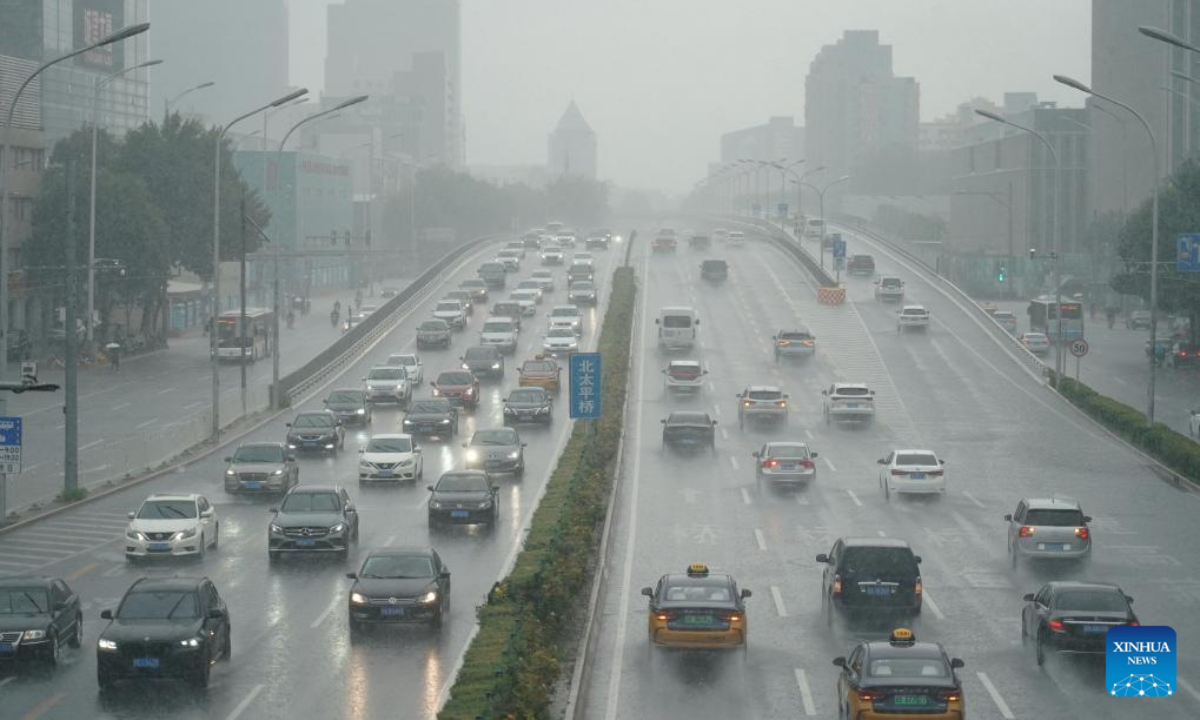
953, 390
291, 652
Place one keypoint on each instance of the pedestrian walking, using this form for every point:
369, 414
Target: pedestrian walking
114, 355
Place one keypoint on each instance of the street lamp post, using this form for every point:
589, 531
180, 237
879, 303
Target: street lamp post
91, 273
800, 188
116, 37
216, 258
1072, 83
784, 171
821, 197
1007, 205
167, 103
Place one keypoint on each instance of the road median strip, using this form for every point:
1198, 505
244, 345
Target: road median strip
512, 665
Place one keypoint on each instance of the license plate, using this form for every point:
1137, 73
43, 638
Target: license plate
788, 466
385, 473
160, 547
1094, 629
312, 444
910, 700
696, 620
426, 428
853, 405
149, 663
253, 485
305, 543
391, 611
6, 649
874, 591
459, 513
916, 476
1053, 546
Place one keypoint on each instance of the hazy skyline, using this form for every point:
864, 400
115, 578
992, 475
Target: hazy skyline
661, 80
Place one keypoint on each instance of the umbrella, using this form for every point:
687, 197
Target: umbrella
112, 346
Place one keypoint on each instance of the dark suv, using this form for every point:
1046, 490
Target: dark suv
313, 519
38, 615
860, 265
872, 575
164, 627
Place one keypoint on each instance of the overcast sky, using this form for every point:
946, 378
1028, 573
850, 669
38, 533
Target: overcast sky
660, 80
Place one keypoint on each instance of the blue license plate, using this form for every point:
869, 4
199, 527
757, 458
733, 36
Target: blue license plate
385, 473
459, 513
916, 476
392, 611
312, 444
160, 547
7, 649
787, 466
426, 428
305, 543
878, 591
493, 464
853, 405
687, 441
1095, 629
254, 485
146, 662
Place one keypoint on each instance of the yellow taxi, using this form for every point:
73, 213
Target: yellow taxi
697, 610
540, 372
900, 677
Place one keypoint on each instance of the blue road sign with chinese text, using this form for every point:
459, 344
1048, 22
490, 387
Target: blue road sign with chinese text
10, 445
585, 386
839, 246
1188, 257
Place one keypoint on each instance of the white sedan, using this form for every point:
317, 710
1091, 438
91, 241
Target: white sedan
172, 525
848, 401
912, 471
912, 317
1036, 342
411, 364
560, 341
390, 458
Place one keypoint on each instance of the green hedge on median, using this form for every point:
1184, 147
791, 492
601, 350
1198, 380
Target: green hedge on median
1160, 442
511, 667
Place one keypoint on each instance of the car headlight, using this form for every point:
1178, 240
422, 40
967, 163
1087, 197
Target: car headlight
184, 534
509, 411
192, 642
485, 504
514, 455
34, 634
360, 411
466, 366
407, 422
274, 527
106, 645
365, 465
339, 528
428, 597
435, 505
444, 422
231, 472
133, 535
495, 366
472, 455
400, 387
277, 473
291, 446
436, 392
358, 598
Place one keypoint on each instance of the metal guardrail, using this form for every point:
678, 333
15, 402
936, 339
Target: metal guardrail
788, 244
350, 347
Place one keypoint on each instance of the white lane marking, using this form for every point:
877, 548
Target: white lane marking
733, 462
758, 538
614, 678
7, 680
391, 539
712, 387
1114, 377
881, 533
973, 499
60, 426
801, 500
1187, 686
724, 434
991, 689
149, 422
245, 703
808, 433
321, 618
98, 468
927, 599
778, 598
92, 444
164, 391
717, 410
193, 406
854, 497
746, 496
114, 570
830, 464
122, 406
806, 697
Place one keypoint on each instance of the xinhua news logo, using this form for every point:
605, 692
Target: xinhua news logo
1140, 661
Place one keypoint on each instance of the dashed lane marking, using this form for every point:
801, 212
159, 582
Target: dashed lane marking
758, 538
733, 462
854, 497
746, 496
995, 694
7, 680
81, 572
830, 464
778, 598
92, 444
164, 391
724, 434
122, 406
973, 499
806, 697
148, 423
927, 599
1188, 686
245, 703
324, 614
44, 706
801, 500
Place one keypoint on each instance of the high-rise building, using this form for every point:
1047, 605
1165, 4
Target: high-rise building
779, 138
239, 45
410, 50
573, 145
855, 106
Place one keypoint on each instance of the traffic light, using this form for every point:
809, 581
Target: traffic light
1001, 273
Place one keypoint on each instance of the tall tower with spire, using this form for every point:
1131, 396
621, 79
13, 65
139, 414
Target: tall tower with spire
573, 145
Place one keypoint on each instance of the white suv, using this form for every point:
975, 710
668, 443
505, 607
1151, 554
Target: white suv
912, 317
172, 525
567, 312
499, 332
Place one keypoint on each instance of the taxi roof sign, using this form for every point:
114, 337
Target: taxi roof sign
697, 570
902, 636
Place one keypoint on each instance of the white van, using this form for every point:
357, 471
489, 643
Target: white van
677, 328
813, 228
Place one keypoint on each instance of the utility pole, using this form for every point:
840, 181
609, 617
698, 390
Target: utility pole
242, 318
71, 407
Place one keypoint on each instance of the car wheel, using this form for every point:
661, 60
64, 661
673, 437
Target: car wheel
436, 622
77, 636
828, 418
887, 491
828, 602
344, 555
1012, 551
272, 556
227, 646
56, 651
217, 536
203, 547
1039, 651
200, 678
1024, 634
105, 682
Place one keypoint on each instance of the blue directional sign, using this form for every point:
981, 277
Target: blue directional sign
1189, 253
10, 445
585, 386
782, 209
839, 247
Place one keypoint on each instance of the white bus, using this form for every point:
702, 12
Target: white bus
257, 336
813, 228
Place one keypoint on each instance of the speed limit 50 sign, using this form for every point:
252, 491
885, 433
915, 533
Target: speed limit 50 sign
1079, 347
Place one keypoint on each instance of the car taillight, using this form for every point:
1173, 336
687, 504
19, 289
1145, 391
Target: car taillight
1025, 531
664, 616
747, 404
837, 585
781, 403
784, 343
899, 472
1133, 623
918, 588
950, 695
869, 695
734, 617
772, 463
1057, 626
1082, 533
935, 473
808, 464
807, 343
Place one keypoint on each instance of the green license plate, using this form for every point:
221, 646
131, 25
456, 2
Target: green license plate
697, 620
910, 700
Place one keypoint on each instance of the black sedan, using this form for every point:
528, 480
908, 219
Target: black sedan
350, 406
400, 585
464, 497
484, 361
435, 417
528, 404
317, 432
164, 627
1073, 617
313, 519
38, 616
688, 430
496, 450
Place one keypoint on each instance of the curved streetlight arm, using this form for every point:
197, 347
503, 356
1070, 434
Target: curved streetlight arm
171, 101
323, 113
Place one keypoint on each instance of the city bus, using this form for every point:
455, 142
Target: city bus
1042, 318
258, 335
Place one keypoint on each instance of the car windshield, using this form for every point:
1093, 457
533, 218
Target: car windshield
688, 418
430, 406
530, 395
167, 510
909, 668
313, 421
1036, 337
451, 306
561, 332
480, 353
787, 451
567, 312
367, 309
494, 437
714, 264
914, 311
869, 560
794, 335
397, 567
166, 605
890, 282
299, 502
764, 395
462, 483
347, 397
432, 326
677, 321
1054, 518
389, 445
529, 285
497, 327
851, 391
23, 601
1098, 600
584, 285
472, 284
401, 360
697, 590
387, 373
259, 454
1003, 315
455, 378
906, 459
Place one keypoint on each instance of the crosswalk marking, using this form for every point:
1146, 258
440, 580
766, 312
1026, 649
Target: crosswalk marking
59, 539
